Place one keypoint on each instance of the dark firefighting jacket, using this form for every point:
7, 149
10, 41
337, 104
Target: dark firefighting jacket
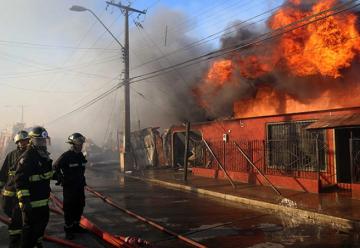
70, 167
7, 172
32, 178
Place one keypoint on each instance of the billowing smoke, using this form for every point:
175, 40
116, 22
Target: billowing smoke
195, 93
217, 100
301, 65
157, 102
166, 99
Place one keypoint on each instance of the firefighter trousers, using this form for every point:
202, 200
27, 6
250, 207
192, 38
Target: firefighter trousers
34, 225
12, 210
74, 203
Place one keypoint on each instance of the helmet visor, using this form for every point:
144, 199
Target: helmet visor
40, 142
77, 140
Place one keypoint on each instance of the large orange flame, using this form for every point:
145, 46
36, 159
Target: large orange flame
220, 72
324, 48
218, 75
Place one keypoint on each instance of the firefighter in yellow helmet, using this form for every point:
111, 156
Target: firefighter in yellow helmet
32, 182
10, 202
69, 171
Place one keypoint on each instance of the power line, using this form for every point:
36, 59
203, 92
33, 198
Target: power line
220, 18
41, 90
180, 75
168, 60
33, 63
268, 35
117, 78
54, 81
111, 118
223, 9
111, 41
224, 51
154, 104
90, 103
212, 36
26, 44
181, 49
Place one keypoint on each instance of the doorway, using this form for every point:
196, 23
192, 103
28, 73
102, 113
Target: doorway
342, 144
196, 154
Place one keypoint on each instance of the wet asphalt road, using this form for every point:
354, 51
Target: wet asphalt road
212, 222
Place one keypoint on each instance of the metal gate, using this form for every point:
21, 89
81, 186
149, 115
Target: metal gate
355, 159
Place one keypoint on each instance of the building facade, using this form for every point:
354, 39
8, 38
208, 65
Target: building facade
308, 151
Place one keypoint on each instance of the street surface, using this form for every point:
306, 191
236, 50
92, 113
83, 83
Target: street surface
212, 222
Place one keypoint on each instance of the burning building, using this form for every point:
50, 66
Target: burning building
293, 97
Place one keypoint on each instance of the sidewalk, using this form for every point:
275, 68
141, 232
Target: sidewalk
336, 208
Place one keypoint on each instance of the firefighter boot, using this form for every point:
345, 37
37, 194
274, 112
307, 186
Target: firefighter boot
15, 241
39, 245
69, 232
77, 228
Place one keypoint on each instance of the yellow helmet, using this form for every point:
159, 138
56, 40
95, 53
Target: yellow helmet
22, 135
76, 138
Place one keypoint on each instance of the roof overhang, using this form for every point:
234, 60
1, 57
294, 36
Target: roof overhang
336, 121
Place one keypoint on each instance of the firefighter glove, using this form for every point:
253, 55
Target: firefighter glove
26, 208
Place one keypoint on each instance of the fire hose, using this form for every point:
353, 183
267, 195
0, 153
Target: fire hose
152, 223
50, 238
87, 224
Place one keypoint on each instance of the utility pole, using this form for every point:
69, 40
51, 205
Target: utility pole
126, 153
22, 110
22, 113
186, 152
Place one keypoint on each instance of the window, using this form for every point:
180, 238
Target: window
291, 147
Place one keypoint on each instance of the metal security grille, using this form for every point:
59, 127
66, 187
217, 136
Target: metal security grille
290, 147
355, 159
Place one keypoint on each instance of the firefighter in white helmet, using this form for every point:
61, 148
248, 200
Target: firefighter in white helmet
10, 202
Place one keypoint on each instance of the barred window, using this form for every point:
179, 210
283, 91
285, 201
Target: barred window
291, 147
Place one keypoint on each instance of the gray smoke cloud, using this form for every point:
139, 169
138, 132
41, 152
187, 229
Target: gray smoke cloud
157, 102
279, 78
167, 99
220, 100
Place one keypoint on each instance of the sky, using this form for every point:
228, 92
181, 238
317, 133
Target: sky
54, 60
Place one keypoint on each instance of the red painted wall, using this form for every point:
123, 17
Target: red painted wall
255, 129
356, 191
299, 184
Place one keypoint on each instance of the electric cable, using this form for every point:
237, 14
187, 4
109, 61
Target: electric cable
225, 51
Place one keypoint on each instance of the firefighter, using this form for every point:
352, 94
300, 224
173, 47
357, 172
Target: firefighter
69, 172
10, 202
32, 182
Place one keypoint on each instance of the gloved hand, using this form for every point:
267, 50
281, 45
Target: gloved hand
26, 209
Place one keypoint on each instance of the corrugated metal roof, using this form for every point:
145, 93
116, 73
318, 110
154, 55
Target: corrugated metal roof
336, 121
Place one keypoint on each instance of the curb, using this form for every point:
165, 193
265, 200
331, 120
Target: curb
300, 215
